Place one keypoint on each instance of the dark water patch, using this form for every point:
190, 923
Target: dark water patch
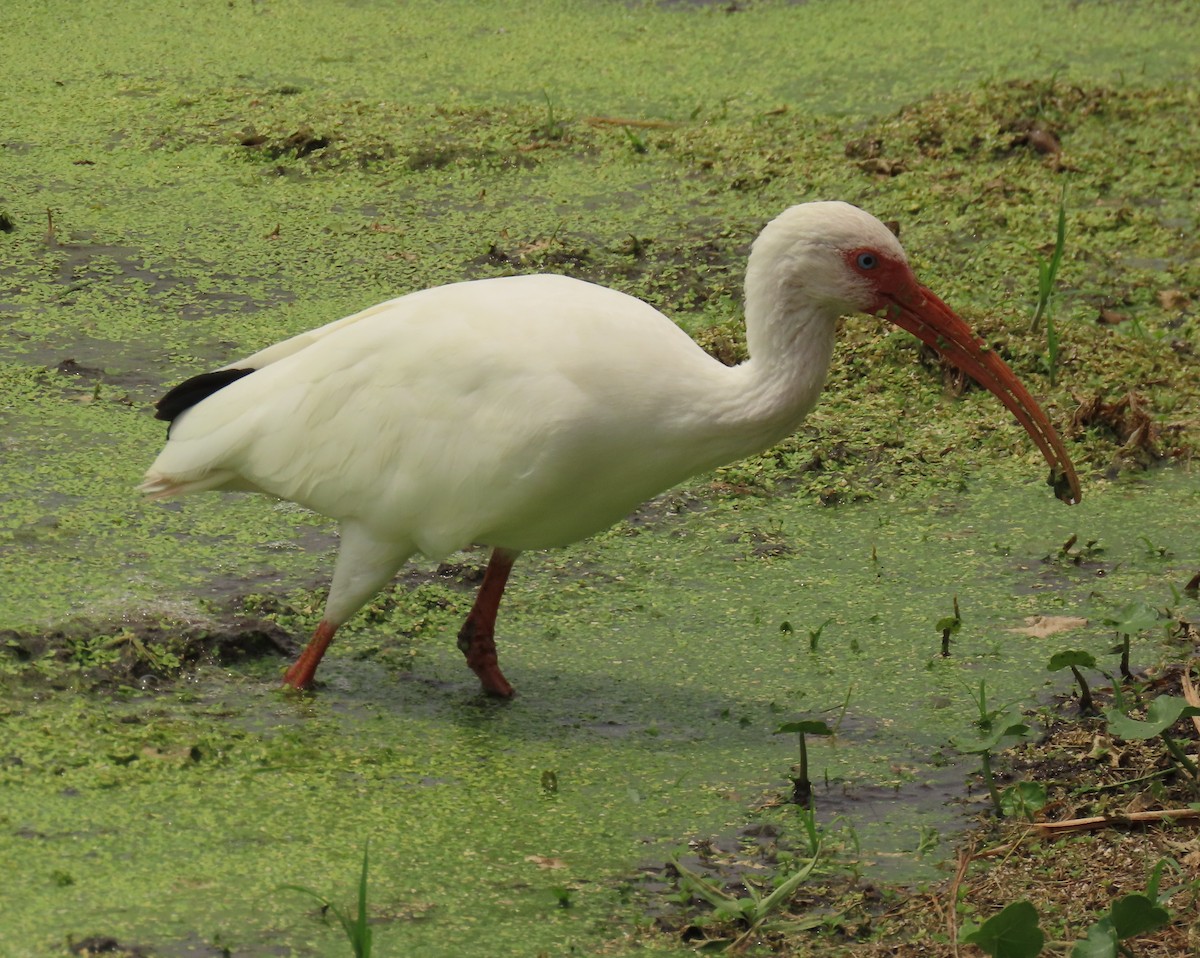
852, 828
95, 946
82, 260
85, 263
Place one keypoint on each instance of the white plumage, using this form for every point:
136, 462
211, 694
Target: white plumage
531, 411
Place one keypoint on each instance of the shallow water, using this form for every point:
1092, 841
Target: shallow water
651, 671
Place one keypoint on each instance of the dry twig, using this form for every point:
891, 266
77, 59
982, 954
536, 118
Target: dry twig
1094, 822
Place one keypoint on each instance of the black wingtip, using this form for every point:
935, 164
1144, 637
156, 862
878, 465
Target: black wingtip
191, 391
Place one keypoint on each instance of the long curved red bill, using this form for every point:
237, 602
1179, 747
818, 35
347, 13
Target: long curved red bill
937, 325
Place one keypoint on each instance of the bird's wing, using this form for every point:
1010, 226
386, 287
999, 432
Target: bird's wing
302, 341
453, 413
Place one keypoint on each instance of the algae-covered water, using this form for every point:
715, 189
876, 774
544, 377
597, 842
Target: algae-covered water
651, 672
182, 184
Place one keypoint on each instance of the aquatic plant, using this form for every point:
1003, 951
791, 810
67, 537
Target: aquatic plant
1076, 659
1162, 712
1127, 916
802, 785
1023, 800
1047, 273
552, 127
1000, 729
814, 635
754, 908
1048, 270
1004, 734
949, 625
356, 927
812, 829
1133, 618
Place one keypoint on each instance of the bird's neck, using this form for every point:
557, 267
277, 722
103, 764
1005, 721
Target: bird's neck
768, 395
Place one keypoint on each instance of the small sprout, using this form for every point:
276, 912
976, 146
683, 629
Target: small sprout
801, 785
1133, 618
814, 635
929, 839
753, 909
812, 831
1023, 800
356, 927
563, 896
1000, 731
637, 142
1153, 551
553, 128
1089, 551
1048, 271
948, 626
550, 782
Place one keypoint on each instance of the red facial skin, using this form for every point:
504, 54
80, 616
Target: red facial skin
912, 307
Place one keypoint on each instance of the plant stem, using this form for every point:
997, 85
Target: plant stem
1085, 694
1051, 348
1179, 755
802, 787
986, 761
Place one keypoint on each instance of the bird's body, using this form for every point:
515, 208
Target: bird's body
403, 416
528, 412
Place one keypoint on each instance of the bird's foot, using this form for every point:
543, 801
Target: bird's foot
479, 646
300, 675
494, 683
294, 678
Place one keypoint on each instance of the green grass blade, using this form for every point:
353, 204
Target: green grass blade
361, 937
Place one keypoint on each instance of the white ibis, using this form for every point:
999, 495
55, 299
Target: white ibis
527, 412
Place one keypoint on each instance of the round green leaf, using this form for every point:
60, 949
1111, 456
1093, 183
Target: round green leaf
1013, 933
1163, 712
806, 727
1069, 657
1101, 942
1133, 618
1135, 915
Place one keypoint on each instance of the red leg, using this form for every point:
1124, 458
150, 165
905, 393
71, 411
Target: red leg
477, 637
300, 675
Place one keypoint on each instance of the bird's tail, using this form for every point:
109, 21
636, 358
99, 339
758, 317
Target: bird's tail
157, 485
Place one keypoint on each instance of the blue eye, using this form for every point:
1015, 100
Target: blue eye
867, 261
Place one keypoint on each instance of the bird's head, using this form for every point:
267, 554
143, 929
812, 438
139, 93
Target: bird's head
836, 258
833, 256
